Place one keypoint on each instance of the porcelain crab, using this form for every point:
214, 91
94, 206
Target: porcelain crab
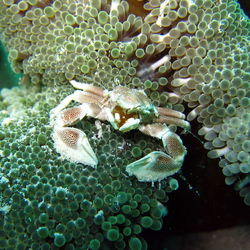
125, 109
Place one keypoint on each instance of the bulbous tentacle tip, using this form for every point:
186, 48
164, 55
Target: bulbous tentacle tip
155, 166
73, 145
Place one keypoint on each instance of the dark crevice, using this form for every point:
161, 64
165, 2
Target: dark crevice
209, 205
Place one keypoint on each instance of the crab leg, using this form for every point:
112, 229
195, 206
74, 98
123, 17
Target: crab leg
158, 165
174, 121
77, 96
174, 117
87, 87
90, 98
171, 141
170, 112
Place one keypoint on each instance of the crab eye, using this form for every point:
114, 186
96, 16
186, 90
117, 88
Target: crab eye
123, 115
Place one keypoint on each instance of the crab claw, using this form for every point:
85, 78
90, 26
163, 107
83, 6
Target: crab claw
73, 145
158, 165
173, 146
154, 167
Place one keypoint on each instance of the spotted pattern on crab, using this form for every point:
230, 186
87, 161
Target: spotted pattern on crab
71, 114
126, 109
69, 137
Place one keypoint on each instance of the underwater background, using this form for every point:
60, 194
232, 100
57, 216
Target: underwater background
190, 56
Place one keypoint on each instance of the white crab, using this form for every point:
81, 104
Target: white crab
125, 109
